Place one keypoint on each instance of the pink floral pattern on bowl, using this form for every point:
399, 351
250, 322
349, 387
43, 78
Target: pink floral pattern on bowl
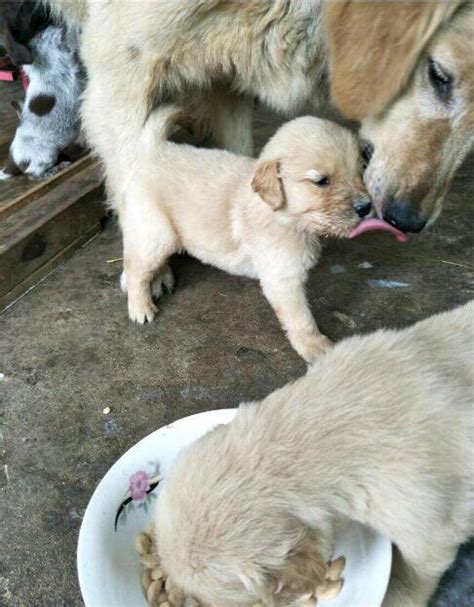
141, 485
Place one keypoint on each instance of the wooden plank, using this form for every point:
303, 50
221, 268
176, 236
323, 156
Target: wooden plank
35, 277
40, 234
43, 187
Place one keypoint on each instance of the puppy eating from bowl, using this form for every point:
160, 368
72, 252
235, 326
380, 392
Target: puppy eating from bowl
264, 218
380, 431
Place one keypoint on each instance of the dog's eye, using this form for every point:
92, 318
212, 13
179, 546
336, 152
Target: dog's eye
367, 152
322, 181
441, 81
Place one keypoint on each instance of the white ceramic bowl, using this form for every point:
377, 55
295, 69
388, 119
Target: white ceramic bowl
108, 567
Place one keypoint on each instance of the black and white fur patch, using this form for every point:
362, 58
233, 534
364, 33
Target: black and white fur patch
49, 120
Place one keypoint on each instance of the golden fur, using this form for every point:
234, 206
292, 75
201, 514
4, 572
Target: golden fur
359, 29
215, 56
262, 219
380, 430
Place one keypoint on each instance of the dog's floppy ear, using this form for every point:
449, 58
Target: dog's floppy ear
374, 48
267, 183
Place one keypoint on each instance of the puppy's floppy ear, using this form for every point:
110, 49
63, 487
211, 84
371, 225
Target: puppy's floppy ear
374, 48
268, 185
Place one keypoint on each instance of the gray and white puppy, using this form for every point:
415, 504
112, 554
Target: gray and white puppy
49, 120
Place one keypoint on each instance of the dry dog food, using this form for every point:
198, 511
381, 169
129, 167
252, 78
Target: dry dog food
160, 592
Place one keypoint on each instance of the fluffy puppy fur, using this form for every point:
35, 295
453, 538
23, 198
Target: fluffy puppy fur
405, 69
380, 431
49, 120
263, 219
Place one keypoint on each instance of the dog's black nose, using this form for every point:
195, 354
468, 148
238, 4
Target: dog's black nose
403, 215
362, 206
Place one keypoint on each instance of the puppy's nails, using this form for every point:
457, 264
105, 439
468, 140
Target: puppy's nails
335, 569
329, 590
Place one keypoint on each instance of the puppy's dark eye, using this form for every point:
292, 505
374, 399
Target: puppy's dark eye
322, 181
440, 79
367, 152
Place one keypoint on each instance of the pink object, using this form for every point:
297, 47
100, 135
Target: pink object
7, 75
11, 74
373, 224
138, 485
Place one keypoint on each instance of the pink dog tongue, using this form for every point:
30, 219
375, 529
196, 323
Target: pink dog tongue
370, 225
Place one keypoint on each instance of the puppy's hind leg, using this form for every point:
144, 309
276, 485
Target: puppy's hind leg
148, 240
412, 583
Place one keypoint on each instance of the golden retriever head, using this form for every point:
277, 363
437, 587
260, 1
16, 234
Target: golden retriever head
224, 534
410, 79
310, 173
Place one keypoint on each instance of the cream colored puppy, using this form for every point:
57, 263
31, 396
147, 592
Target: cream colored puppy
380, 430
258, 218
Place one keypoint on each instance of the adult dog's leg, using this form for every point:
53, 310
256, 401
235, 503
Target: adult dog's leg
231, 121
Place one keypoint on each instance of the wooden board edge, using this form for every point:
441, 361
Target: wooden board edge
35, 278
45, 186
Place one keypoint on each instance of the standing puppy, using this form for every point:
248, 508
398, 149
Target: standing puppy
381, 431
263, 219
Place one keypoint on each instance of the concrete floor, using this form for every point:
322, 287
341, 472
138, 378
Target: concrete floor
68, 350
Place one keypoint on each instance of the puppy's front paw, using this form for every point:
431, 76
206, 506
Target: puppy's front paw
312, 346
141, 310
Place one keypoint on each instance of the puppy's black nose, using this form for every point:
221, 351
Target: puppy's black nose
403, 214
362, 206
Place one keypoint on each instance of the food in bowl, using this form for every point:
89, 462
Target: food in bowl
160, 592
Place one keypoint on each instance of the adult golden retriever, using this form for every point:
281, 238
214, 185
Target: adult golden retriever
404, 69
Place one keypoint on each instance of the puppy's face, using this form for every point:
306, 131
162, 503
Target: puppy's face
313, 178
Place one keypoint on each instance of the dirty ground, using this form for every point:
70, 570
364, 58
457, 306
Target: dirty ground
68, 351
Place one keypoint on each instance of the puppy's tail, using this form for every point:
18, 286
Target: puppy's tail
162, 123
